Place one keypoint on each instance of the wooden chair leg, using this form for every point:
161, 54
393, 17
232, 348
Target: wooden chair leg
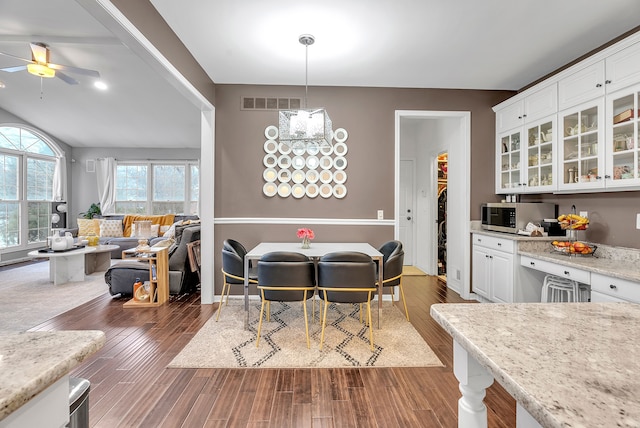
370, 324
306, 322
224, 286
324, 321
404, 301
260, 322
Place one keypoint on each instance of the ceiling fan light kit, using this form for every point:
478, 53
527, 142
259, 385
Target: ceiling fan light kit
41, 70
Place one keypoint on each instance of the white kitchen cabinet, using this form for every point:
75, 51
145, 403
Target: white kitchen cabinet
607, 288
534, 106
556, 269
509, 178
497, 275
622, 153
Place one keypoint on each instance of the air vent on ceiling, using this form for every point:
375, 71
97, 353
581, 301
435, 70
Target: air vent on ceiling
269, 103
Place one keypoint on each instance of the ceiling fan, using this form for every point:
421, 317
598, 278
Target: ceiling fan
39, 65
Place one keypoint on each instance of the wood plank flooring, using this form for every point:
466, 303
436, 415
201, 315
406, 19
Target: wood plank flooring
131, 386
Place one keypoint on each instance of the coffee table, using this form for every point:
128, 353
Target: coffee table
100, 259
65, 266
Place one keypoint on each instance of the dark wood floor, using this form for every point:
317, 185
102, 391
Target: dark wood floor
131, 386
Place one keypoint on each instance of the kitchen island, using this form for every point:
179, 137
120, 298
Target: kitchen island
34, 374
565, 364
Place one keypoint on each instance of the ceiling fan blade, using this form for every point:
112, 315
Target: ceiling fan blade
15, 57
14, 69
70, 80
77, 70
40, 52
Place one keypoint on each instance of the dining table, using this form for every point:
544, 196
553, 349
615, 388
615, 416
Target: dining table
314, 252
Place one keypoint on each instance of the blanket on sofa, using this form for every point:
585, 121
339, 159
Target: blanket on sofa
162, 220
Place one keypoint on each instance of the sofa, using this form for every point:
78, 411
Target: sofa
122, 274
119, 226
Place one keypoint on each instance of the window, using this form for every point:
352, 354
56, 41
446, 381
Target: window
27, 165
157, 187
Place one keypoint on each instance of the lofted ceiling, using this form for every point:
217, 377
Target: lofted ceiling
465, 44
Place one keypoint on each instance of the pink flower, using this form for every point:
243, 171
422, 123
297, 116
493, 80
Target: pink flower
306, 233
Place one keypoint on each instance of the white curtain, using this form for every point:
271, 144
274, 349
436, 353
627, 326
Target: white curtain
106, 176
60, 180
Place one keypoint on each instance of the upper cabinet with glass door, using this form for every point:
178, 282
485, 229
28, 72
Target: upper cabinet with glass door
581, 147
508, 177
623, 129
540, 156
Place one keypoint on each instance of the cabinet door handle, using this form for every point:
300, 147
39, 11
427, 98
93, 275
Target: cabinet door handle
607, 82
607, 176
532, 263
613, 286
598, 85
566, 272
499, 244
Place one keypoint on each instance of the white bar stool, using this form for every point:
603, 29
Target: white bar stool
559, 289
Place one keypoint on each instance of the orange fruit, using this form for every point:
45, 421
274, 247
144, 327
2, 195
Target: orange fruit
579, 246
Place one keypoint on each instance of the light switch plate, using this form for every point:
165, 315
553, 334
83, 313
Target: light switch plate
584, 214
638, 221
381, 214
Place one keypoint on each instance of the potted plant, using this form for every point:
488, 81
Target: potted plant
93, 210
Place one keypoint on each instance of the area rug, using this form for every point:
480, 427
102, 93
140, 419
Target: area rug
412, 271
226, 344
28, 298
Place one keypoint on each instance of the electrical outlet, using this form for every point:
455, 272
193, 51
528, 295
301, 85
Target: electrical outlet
638, 221
584, 214
380, 214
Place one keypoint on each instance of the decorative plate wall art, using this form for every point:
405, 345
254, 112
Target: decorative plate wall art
303, 170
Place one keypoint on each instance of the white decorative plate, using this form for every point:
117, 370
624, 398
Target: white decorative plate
313, 148
326, 149
298, 162
312, 162
340, 176
298, 176
271, 132
270, 146
340, 162
312, 190
313, 176
299, 148
326, 190
298, 191
340, 149
326, 162
284, 161
284, 190
339, 191
284, 148
270, 189
326, 176
284, 175
270, 175
340, 135
270, 160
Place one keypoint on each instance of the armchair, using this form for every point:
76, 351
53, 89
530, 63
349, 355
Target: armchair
121, 276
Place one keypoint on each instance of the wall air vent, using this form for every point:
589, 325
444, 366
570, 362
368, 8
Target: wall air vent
269, 103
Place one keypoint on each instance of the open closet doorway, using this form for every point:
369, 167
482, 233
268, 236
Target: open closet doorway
441, 180
421, 136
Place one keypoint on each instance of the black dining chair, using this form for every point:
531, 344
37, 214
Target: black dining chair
346, 277
393, 261
285, 277
233, 253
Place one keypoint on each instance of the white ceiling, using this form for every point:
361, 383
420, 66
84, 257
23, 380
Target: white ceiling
467, 44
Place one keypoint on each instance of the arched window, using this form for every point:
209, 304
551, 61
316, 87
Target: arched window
28, 161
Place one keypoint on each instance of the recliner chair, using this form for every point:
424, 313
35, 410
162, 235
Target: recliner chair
121, 276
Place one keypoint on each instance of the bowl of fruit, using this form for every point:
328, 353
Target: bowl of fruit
573, 222
578, 248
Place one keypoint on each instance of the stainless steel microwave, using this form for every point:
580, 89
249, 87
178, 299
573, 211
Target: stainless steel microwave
513, 216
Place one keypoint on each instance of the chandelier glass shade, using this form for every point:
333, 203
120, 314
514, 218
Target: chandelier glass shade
305, 126
41, 70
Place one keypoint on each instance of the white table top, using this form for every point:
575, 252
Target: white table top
567, 364
318, 249
87, 249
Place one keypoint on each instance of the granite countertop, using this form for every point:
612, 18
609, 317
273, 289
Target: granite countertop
30, 362
567, 364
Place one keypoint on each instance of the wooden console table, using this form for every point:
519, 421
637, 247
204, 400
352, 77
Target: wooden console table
158, 259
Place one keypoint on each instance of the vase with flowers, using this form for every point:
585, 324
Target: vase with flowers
307, 235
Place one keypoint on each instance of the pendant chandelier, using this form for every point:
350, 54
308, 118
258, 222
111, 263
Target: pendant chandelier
299, 128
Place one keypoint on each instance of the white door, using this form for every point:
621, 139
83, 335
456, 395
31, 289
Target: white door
406, 211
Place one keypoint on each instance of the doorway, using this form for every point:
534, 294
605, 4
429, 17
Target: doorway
421, 136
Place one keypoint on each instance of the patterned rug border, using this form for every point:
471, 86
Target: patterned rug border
225, 344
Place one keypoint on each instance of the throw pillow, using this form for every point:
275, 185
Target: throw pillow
171, 233
88, 226
155, 230
111, 228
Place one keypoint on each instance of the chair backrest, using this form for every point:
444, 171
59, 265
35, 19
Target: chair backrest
233, 253
390, 248
286, 269
346, 269
235, 247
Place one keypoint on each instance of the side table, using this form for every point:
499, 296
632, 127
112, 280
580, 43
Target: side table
158, 259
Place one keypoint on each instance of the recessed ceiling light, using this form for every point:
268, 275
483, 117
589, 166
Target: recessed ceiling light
100, 85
